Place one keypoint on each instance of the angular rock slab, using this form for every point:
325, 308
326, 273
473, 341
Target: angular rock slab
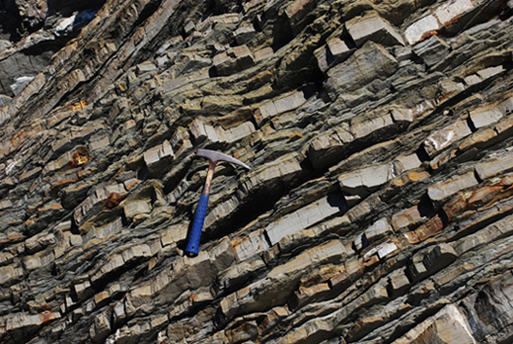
374, 28
418, 30
368, 63
234, 60
305, 217
447, 326
432, 50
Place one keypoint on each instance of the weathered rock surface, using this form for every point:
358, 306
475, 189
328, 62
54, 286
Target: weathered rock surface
378, 208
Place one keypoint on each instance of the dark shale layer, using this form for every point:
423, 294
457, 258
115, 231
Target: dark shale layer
379, 207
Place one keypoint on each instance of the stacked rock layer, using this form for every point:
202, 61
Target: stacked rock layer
379, 207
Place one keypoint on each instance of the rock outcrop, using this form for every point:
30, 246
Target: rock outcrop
379, 205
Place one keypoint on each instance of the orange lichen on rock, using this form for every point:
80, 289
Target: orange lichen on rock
452, 21
77, 106
429, 34
114, 199
427, 230
79, 158
480, 198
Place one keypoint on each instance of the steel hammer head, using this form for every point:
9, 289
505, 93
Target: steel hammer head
218, 156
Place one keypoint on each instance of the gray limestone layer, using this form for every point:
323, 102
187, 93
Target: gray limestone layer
378, 209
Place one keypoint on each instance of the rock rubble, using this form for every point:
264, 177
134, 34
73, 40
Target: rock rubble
379, 204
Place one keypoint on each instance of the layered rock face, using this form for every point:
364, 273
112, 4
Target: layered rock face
378, 209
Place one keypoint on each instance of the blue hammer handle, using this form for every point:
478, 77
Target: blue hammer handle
197, 226
192, 248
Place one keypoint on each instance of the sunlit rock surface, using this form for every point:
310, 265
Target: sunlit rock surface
379, 207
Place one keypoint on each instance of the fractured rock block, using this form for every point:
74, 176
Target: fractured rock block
368, 63
482, 117
297, 11
398, 281
407, 162
495, 166
442, 191
366, 179
491, 72
132, 208
236, 133
74, 137
335, 51
223, 255
378, 230
99, 144
364, 128
95, 202
278, 106
449, 325
10, 273
427, 230
373, 27
202, 131
250, 245
418, 30
139, 251
451, 10
431, 261
234, 60
38, 260
38, 242
263, 53
407, 219
383, 251
338, 48
432, 51
439, 257
112, 263
194, 62
100, 329
244, 34
325, 148
158, 156
332, 251
305, 217
280, 283
105, 230
282, 170
227, 18
5, 204
146, 67
506, 107
237, 274
243, 333
174, 234
323, 58
493, 297
19, 321
400, 114
443, 138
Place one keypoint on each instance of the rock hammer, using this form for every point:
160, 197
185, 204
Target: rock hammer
201, 210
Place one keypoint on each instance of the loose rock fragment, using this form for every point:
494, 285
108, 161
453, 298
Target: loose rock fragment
373, 27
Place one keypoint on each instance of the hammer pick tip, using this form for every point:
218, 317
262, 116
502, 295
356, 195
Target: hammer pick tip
215, 156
